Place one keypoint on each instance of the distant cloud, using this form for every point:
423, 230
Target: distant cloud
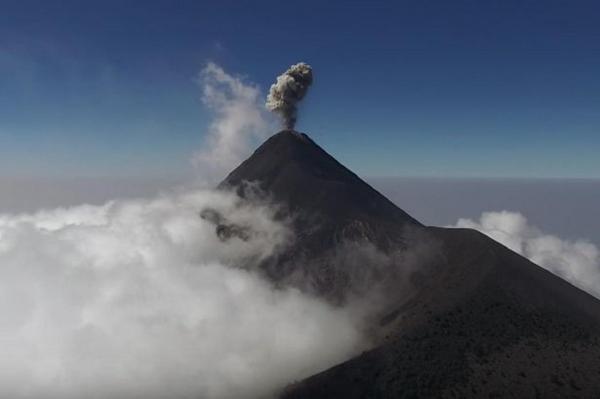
578, 261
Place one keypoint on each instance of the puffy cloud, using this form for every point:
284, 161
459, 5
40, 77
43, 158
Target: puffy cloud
140, 298
575, 261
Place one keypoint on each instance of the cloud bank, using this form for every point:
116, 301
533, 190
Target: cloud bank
578, 261
142, 299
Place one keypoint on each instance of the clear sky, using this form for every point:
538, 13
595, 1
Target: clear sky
402, 88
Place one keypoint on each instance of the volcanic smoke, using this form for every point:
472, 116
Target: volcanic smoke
289, 89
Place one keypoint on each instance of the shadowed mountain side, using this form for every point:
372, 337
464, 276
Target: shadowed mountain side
461, 316
486, 323
329, 205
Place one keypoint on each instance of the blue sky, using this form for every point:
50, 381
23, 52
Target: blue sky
402, 88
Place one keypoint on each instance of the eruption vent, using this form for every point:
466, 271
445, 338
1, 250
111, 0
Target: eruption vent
288, 90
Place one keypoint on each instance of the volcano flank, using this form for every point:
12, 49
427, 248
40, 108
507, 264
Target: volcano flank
460, 315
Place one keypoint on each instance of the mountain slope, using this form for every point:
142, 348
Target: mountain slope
487, 323
299, 173
329, 205
464, 317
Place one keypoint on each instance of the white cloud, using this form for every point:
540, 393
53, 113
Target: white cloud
141, 299
575, 261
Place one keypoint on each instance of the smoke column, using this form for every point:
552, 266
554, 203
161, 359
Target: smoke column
289, 89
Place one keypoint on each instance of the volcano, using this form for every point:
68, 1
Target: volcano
463, 316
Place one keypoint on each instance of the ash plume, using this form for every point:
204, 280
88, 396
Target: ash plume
289, 89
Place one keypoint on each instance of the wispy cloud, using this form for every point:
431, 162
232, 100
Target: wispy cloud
240, 121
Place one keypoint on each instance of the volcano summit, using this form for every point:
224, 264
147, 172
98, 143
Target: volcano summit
459, 315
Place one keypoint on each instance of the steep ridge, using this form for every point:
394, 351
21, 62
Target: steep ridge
299, 173
468, 318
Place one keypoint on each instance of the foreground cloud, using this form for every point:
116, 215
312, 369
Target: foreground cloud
575, 261
142, 299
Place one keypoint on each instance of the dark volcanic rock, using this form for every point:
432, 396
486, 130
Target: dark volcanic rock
301, 175
486, 324
329, 207
476, 320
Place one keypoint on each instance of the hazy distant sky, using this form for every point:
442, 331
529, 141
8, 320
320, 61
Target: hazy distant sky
566, 208
402, 88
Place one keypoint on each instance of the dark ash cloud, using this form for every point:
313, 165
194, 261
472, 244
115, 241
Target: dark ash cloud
289, 89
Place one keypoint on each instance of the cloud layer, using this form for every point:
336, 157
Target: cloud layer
142, 299
575, 261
